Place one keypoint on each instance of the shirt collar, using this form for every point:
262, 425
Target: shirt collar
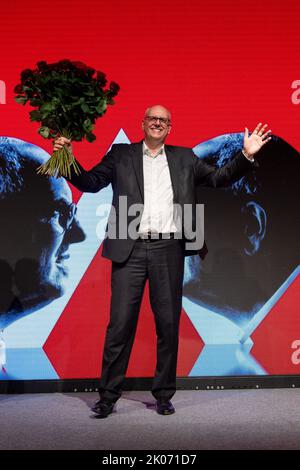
146, 151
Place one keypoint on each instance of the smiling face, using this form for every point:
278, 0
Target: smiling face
156, 125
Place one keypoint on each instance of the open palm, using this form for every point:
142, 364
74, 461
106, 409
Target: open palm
259, 137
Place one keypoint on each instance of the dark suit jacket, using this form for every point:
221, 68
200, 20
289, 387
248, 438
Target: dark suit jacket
122, 167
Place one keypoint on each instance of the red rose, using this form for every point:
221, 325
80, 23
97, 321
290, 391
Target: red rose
114, 89
18, 89
101, 79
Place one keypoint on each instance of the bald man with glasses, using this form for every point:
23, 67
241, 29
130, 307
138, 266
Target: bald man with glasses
161, 180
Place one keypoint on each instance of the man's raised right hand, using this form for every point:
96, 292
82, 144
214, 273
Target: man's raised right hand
60, 142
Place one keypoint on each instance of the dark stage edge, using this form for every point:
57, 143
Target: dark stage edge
135, 384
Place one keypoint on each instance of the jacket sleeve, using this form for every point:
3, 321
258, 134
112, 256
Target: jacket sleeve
100, 176
235, 169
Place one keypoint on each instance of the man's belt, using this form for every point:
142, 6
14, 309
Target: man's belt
151, 236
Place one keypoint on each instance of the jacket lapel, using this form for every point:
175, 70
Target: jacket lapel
172, 162
137, 160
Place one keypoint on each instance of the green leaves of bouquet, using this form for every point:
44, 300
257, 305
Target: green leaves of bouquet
69, 97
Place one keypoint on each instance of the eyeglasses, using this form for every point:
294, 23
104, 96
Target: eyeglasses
67, 214
62, 213
161, 120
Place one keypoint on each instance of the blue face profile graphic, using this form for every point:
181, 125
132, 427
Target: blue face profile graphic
38, 224
252, 234
42, 261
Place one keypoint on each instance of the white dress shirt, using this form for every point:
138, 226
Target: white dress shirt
158, 215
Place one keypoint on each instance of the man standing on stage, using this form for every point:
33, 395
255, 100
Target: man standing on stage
161, 179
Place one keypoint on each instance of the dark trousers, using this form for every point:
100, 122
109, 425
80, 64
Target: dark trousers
162, 263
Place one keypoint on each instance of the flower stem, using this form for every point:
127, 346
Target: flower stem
61, 161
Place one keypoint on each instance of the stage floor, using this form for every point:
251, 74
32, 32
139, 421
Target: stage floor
227, 419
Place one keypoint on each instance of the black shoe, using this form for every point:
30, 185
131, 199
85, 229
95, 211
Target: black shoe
103, 408
164, 407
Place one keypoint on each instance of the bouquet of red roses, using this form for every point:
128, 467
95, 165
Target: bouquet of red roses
68, 98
